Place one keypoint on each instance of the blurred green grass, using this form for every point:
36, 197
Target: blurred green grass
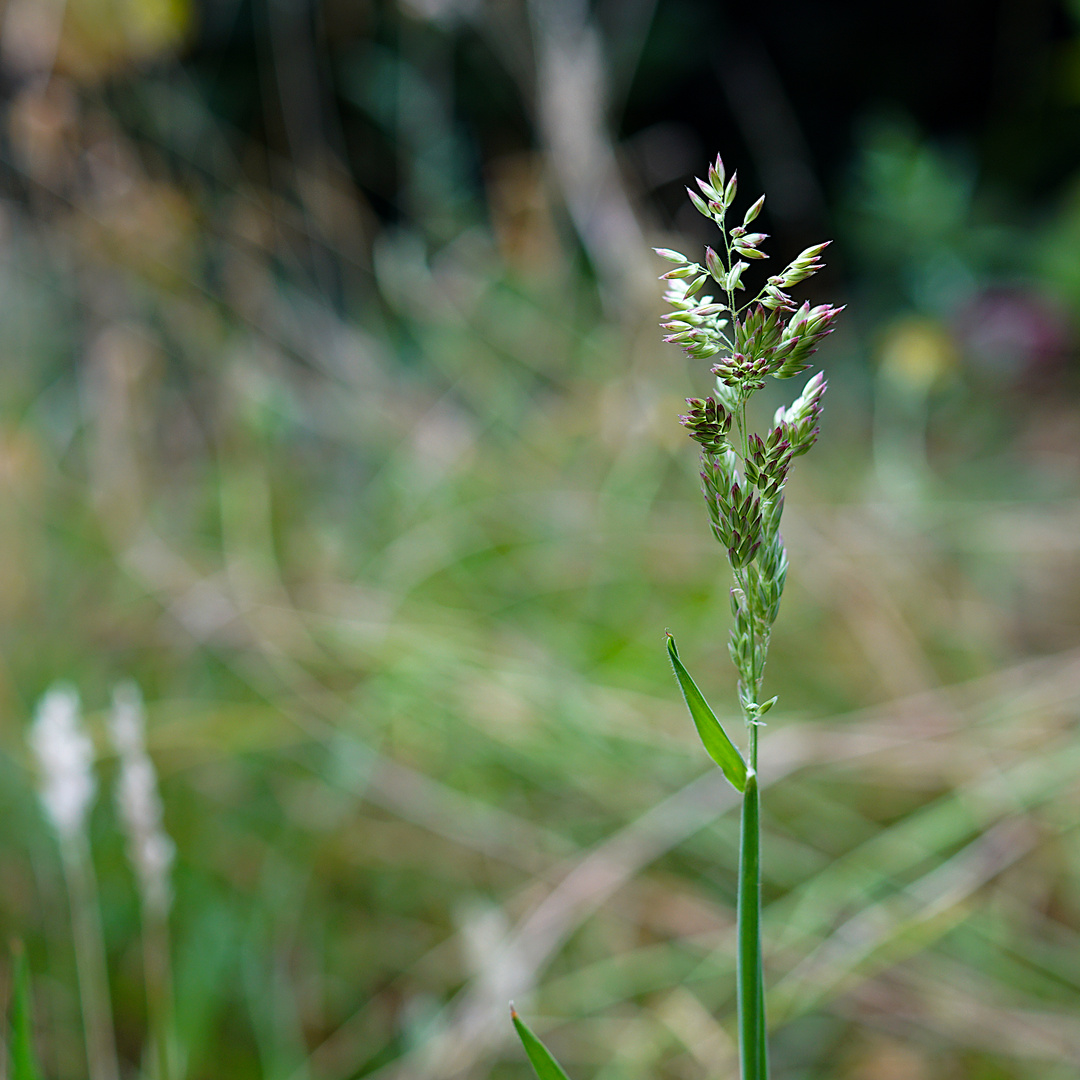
392, 562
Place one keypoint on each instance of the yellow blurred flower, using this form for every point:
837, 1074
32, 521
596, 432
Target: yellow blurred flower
100, 37
917, 352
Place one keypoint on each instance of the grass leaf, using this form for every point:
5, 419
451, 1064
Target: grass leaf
546, 1067
713, 737
24, 1065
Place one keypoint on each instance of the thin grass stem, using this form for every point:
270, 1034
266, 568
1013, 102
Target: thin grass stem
751, 993
90, 958
159, 996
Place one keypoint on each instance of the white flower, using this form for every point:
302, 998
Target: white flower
65, 755
150, 849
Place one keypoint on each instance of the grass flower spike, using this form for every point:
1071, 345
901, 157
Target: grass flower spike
150, 849
743, 476
65, 757
151, 852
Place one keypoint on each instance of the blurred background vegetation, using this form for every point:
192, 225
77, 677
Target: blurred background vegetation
333, 412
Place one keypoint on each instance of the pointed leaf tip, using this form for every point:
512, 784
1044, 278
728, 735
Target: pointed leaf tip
713, 737
540, 1057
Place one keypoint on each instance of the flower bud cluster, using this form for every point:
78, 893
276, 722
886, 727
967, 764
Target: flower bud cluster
744, 489
745, 516
735, 511
804, 265
718, 190
767, 461
762, 347
764, 344
695, 324
718, 476
804, 331
747, 373
800, 420
760, 333
770, 570
708, 424
745, 647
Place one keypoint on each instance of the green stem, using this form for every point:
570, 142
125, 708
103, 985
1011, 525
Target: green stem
90, 963
751, 982
158, 979
751, 987
753, 1048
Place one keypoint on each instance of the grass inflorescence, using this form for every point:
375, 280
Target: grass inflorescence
743, 476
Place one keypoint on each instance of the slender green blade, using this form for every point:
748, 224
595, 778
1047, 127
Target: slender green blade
715, 740
751, 988
24, 1065
546, 1067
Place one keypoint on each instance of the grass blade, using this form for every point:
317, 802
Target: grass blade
546, 1067
713, 737
751, 987
24, 1065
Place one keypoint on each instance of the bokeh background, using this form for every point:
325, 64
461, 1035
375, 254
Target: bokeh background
333, 413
